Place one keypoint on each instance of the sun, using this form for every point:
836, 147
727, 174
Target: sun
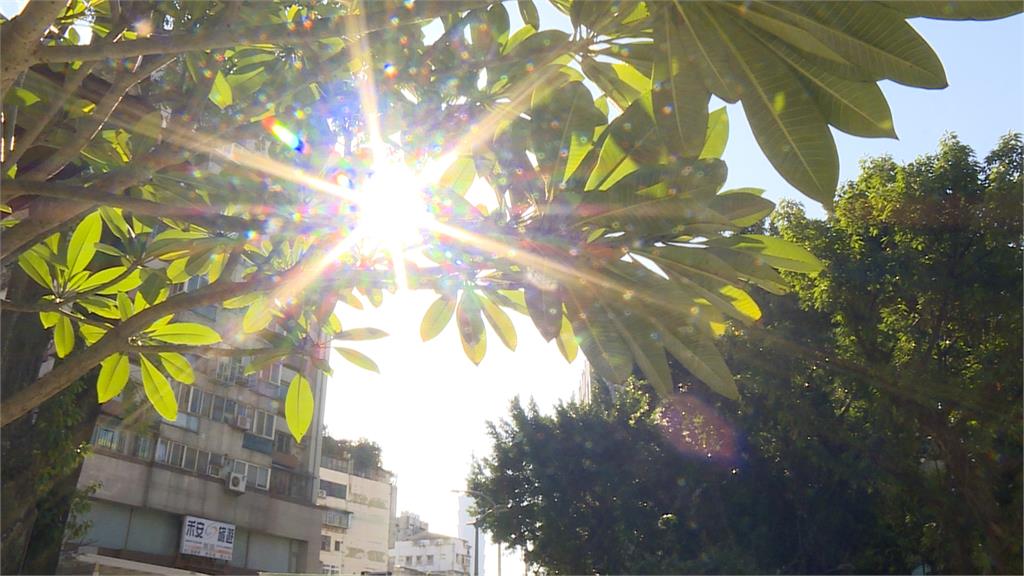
392, 207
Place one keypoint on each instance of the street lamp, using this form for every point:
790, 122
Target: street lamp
476, 529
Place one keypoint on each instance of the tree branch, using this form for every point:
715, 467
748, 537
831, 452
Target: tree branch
223, 36
202, 350
21, 36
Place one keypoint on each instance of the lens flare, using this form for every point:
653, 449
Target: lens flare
283, 134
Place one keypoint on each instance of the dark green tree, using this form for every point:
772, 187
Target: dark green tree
879, 424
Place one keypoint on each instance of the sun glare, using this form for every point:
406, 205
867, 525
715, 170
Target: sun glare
392, 207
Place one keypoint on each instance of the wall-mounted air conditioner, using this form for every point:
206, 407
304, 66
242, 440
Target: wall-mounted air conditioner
236, 482
321, 493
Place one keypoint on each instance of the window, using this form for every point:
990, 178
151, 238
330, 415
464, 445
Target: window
230, 370
199, 402
106, 438
255, 476
337, 545
216, 465
338, 518
192, 284
189, 462
263, 424
143, 447
177, 452
282, 442
325, 544
419, 560
430, 558
162, 449
217, 412
334, 490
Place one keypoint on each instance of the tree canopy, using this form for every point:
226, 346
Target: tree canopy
879, 430
261, 155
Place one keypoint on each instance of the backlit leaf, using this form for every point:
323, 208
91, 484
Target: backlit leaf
361, 334
177, 367
82, 246
189, 333
471, 326
499, 321
113, 377
63, 336
158, 390
437, 317
298, 407
358, 358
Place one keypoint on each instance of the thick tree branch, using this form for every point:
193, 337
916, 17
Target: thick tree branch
20, 37
206, 351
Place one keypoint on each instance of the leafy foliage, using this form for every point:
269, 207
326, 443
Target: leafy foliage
172, 147
880, 425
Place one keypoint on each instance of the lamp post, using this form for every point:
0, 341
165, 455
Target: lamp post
476, 529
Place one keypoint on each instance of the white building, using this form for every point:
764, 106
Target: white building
467, 505
358, 529
417, 550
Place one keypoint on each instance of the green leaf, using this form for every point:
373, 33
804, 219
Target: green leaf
974, 10
528, 11
158, 390
740, 208
22, 97
459, 176
113, 377
124, 306
629, 141
436, 318
699, 355
679, 97
868, 35
717, 135
602, 344
258, 316
90, 333
177, 367
781, 254
36, 267
64, 336
647, 350
545, 309
82, 246
785, 120
621, 82
220, 92
361, 334
705, 47
499, 321
298, 407
241, 301
188, 333
49, 319
566, 341
471, 326
358, 358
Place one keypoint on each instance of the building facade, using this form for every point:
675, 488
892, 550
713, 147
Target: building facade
417, 550
223, 488
358, 517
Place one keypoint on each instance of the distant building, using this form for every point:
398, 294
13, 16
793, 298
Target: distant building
223, 488
359, 510
419, 551
467, 506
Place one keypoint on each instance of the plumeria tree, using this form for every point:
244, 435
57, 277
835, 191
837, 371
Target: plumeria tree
300, 156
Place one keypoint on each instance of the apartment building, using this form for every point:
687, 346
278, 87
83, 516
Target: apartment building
420, 551
223, 488
358, 500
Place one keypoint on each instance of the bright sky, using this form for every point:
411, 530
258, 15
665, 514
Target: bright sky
428, 408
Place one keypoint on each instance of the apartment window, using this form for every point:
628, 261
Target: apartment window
337, 518
230, 370
230, 407
263, 424
282, 442
199, 402
408, 560
189, 461
333, 489
106, 438
419, 560
190, 285
337, 545
325, 544
216, 465
255, 476
177, 453
143, 447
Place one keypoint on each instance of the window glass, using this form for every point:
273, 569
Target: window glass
239, 467
217, 412
190, 459
143, 447
106, 438
177, 452
195, 404
325, 543
202, 461
216, 464
262, 477
229, 410
282, 442
162, 451
337, 545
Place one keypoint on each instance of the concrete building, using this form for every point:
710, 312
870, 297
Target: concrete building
223, 488
467, 505
358, 526
420, 551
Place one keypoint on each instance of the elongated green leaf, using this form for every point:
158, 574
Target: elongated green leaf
158, 390
869, 35
630, 141
177, 367
499, 321
752, 269
973, 10
358, 358
528, 11
699, 355
258, 316
742, 209
566, 340
545, 309
36, 267
679, 97
241, 301
63, 336
857, 108
437, 317
706, 49
717, 135
777, 252
361, 334
124, 306
113, 377
471, 326
220, 92
621, 82
90, 334
459, 176
82, 246
298, 407
786, 121
49, 319
185, 333
100, 278
602, 344
645, 344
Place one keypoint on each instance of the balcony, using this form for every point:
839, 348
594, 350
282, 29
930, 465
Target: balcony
291, 486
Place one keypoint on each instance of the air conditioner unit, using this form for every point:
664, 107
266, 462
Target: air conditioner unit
321, 493
244, 422
236, 482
